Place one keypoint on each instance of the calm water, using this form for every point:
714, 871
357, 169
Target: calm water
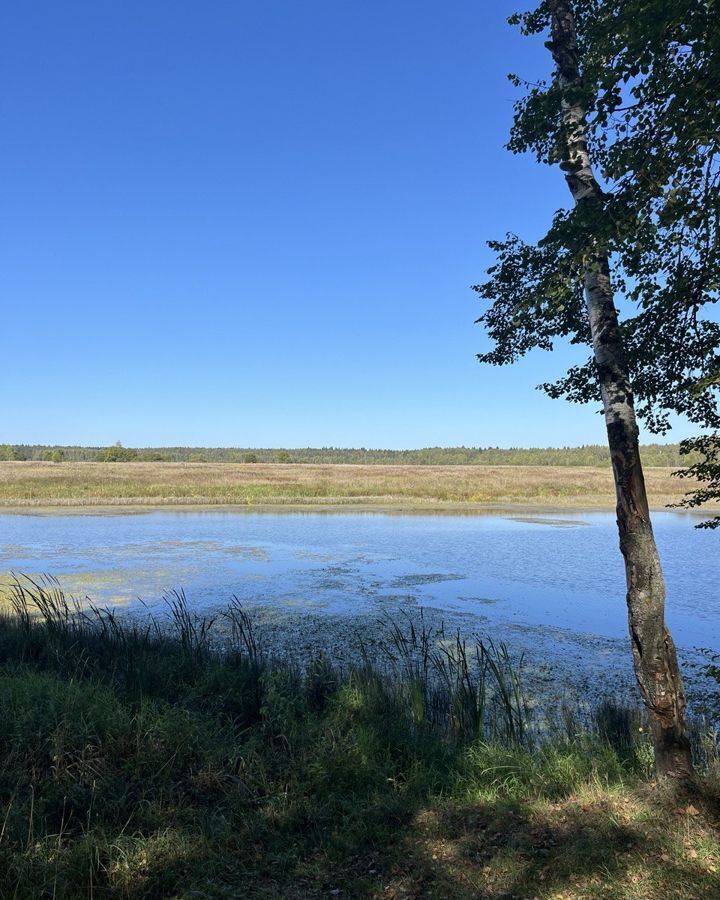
562, 571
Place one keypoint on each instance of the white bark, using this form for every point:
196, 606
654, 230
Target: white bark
654, 656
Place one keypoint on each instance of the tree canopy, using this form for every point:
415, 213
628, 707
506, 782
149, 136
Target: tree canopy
650, 85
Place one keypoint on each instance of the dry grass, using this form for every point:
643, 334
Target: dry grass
24, 484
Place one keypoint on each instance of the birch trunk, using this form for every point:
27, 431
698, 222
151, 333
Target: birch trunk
654, 657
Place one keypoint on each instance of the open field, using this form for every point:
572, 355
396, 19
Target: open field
30, 484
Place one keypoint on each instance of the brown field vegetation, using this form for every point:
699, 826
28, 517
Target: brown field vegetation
27, 484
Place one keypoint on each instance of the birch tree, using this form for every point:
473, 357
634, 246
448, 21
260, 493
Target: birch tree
631, 116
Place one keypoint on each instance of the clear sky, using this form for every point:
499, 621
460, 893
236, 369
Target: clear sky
256, 223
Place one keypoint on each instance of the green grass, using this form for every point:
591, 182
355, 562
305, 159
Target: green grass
141, 762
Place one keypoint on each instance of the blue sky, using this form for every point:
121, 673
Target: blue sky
256, 223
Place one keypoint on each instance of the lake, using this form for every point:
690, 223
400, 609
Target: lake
551, 585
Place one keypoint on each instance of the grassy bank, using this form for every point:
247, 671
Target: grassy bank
141, 762
27, 484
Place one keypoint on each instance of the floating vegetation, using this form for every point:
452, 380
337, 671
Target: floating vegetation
419, 578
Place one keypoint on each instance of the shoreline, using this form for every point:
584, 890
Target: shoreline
337, 507
556, 664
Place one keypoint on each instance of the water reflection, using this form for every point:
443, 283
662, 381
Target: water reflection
562, 571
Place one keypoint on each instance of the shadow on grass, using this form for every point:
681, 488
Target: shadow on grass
625, 845
136, 763
599, 843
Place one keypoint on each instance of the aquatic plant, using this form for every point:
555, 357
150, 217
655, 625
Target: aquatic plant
172, 755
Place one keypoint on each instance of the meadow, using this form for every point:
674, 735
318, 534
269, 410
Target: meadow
33, 483
140, 762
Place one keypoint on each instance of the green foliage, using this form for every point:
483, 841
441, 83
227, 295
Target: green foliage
651, 90
587, 455
116, 453
10, 452
706, 470
284, 457
55, 455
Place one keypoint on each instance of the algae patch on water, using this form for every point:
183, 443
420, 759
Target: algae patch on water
419, 579
483, 601
397, 598
257, 553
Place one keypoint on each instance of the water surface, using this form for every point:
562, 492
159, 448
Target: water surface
562, 571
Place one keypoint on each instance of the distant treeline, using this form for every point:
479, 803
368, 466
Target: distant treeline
588, 455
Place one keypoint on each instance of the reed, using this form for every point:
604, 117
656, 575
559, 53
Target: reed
175, 756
